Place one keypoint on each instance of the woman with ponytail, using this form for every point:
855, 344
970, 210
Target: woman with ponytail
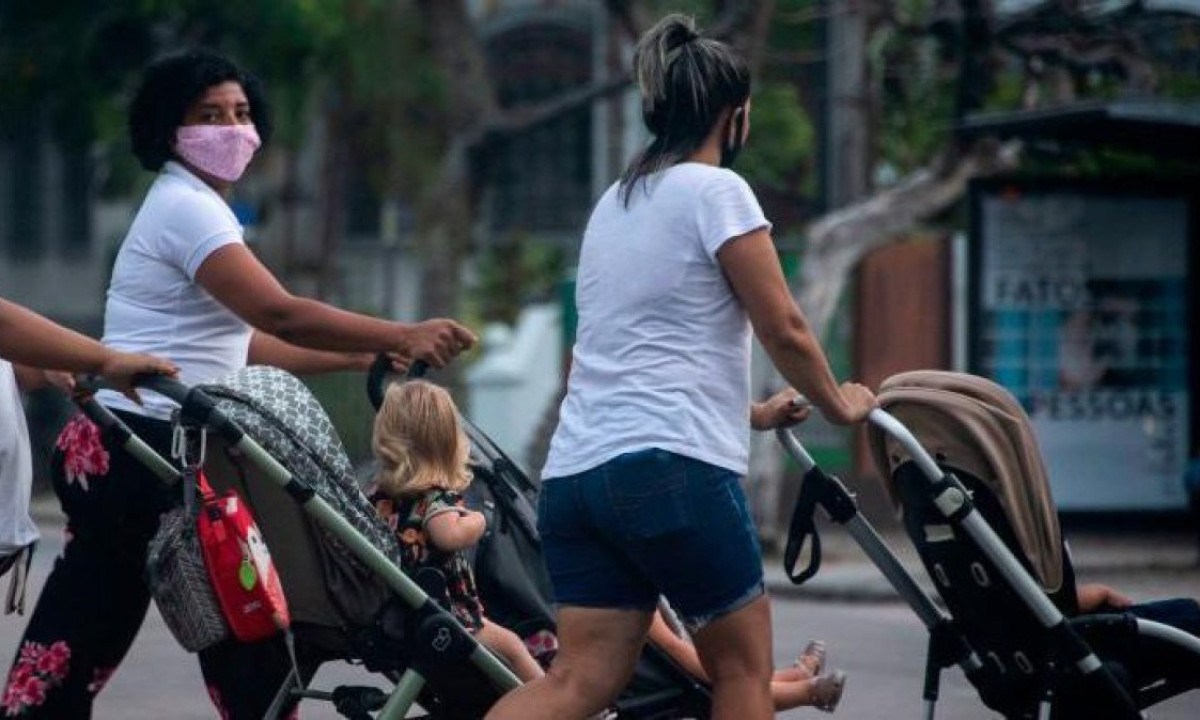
423, 471
641, 494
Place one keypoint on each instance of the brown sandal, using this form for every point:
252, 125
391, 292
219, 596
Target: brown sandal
813, 658
827, 690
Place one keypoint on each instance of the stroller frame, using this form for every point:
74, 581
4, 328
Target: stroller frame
439, 637
947, 645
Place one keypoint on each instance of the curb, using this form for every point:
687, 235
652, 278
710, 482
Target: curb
862, 582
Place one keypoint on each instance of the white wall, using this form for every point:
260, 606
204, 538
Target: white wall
520, 374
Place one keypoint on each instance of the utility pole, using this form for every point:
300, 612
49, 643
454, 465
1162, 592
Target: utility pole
848, 151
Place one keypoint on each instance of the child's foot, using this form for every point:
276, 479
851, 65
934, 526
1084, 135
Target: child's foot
813, 658
827, 690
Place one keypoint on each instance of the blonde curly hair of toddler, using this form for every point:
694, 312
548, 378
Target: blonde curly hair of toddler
419, 441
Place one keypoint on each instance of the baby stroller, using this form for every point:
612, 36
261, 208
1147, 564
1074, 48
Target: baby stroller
349, 599
963, 468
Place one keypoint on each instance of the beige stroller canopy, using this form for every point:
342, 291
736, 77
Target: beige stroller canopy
971, 424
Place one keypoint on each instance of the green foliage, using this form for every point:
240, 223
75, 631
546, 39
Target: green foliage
1101, 162
702, 10
513, 273
917, 96
783, 156
392, 79
1179, 85
1006, 93
344, 398
66, 62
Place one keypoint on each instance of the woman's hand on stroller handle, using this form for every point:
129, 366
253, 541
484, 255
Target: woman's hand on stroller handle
384, 370
166, 385
424, 345
435, 342
855, 401
783, 409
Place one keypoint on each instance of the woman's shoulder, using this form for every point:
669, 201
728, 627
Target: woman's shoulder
182, 197
704, 173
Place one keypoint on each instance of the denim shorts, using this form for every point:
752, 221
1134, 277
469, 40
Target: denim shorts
651, 523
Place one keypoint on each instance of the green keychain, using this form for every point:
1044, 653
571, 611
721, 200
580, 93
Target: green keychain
247, 575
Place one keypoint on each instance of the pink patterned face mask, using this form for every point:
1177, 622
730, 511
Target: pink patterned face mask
222, 151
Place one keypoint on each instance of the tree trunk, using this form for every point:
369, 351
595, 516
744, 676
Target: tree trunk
289, 207
333, 195
443, 229
443, 236
837, 241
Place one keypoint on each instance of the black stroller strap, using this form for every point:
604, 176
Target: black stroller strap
816, 489
802, 526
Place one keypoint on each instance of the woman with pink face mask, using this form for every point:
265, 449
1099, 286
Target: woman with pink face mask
185, 288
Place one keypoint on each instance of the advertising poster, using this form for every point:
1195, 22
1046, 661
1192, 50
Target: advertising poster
1082, 314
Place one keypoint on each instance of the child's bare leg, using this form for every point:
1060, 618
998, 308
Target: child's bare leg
823, 692
505, 643
796, 673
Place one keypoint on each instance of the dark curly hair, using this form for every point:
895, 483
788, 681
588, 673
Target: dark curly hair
168, 89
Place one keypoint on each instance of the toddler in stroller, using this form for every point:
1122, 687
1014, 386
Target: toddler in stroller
423, 470
961, 462
341, 566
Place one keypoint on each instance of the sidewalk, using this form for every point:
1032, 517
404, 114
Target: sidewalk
1144, 563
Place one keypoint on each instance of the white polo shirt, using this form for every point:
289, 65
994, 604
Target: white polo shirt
154, 303
17, 529
662, 355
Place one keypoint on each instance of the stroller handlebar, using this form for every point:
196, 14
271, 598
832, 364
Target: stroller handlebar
885, 422
795, 449
166, 386
893, 427
193, 402
378, 377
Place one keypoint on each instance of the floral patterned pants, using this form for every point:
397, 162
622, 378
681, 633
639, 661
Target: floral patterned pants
96, 597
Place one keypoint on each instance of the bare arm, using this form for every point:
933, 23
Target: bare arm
27, 338
30, 339
1094, 596
750, 263
269, 350
31, 378
783, 409
241, 283
452, 531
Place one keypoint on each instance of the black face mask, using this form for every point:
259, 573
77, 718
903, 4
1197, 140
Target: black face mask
731, 148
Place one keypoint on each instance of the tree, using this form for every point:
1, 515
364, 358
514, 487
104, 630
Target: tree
935, 62
476, 124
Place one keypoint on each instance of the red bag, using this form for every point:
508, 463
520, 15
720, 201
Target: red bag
239, 566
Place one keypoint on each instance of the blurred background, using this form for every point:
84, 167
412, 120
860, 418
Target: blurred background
1006, 187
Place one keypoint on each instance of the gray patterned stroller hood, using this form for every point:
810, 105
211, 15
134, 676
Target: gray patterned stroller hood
324, 583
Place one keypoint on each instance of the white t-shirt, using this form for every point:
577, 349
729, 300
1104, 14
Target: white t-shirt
662, 355
17, 529
154, 304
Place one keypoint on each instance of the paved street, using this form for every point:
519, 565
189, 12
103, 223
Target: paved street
882, 648
879, 643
